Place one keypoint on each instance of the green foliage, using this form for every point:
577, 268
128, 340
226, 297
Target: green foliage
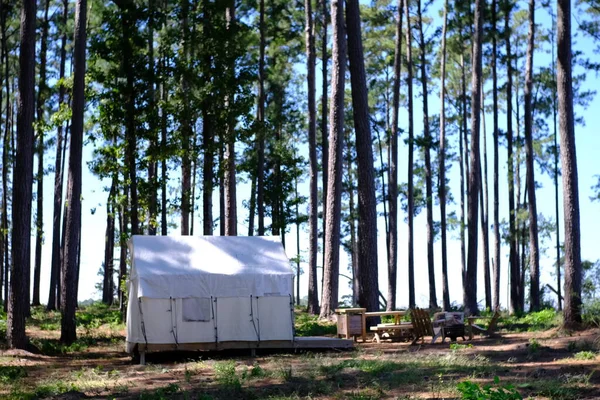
533, 346
591, 313
474, 391
585, 355
54, 389
309, 325
226, 375
533, 322
162, 393
11, 373
458, 346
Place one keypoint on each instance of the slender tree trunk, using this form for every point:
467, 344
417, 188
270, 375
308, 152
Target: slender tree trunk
163, 145
534, 256
324, 131
58, 177
123, 234
442, 167
3, 241
497, 243
483, 203
152, 122
428, 179
73, 216
556, 172
5, 165
186, 129
260, 170
109, 248
393, 167
313, 247
18, 302
470, 298
572, 309
39, 224
127, 22
411, 200
230, 137
352, 219
192, 213
336, 136
514, 261
252, 206
368, 283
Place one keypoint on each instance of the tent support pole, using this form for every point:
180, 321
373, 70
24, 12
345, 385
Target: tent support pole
143, 357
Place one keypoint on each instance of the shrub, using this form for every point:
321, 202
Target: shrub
585, 355
591, 313
309, 325
474, 391
11, 373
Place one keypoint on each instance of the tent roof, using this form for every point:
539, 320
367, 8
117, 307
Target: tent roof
192, 266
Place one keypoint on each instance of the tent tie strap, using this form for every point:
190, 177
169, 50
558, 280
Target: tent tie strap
253, 323
173, 324
143, 326
214, 318
292, 316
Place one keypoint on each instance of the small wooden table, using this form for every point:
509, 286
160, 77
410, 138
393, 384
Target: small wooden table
351, 322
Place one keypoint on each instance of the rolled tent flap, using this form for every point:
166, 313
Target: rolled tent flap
166, 267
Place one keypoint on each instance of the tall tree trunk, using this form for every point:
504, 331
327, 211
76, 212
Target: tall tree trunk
534, 255
336, 136
252, 206
163, 144
152, 122
260, 170
572, 309
109, 248
470, 298
53, 302
428, 179
368, 282
497, 243
41, 99
483, 203
442, 167
6, 145
352, 220
73, 216
324, 131
127, 22
186, 127
556, 172
393, 167
411, 200
513, 258
123, 234
313, 246
230, 136
18, 302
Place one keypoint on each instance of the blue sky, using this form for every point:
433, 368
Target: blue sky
94, 198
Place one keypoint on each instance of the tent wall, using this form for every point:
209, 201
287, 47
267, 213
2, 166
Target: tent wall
249, 319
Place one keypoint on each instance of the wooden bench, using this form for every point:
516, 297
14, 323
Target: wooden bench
491, 327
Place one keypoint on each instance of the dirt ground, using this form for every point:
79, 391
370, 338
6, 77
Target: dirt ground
544, 365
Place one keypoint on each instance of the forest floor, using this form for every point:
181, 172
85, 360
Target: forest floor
546, 364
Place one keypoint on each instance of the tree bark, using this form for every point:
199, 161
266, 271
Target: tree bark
324, 132
260, 170
483, 203
186, 130
73, 216
5, 166
18, 302
368, 283
411, 201
559, 297
393, 168
109, 248
514, 260
152, 124
163, 144
442, 167
572, 307
428, 179
230, 137
336, 136
41, 99
470, 298
313, 201
53, 296
534, 255
497, 243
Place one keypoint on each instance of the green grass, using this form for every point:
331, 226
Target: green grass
309, 325
532, 322
585, 355
12, 373
226, 375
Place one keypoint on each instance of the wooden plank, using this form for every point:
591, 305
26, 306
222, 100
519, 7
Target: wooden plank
356, 310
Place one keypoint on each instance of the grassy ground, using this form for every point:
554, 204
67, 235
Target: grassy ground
534, 359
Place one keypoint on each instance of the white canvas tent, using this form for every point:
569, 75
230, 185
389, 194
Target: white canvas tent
211, 292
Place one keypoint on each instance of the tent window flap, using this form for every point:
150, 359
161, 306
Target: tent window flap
196, 309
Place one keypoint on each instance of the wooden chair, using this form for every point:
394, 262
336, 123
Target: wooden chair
491, 326
422, 325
